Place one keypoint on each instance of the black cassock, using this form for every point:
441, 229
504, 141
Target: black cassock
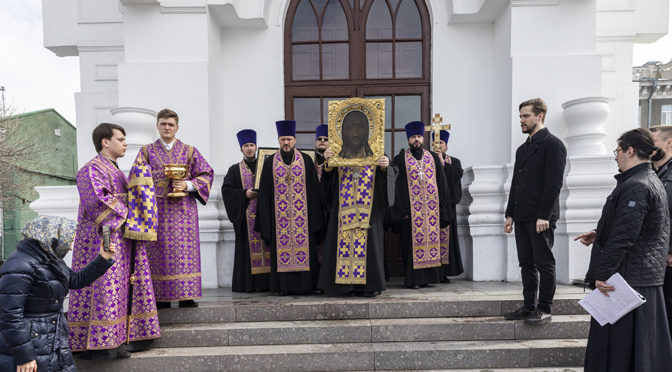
454, 172
299, 281
236, 204
400, 213
375, 242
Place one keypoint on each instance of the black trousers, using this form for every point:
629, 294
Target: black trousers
537, 265
667, 292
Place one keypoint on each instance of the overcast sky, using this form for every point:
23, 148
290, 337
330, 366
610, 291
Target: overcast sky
34, 78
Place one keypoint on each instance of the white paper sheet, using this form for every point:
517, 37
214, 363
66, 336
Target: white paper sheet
610, 309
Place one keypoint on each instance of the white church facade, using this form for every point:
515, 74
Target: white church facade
226, 65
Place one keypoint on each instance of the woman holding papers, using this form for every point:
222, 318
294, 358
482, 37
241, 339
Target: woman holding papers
631, 239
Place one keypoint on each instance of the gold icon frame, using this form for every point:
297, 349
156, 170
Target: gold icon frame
374, 110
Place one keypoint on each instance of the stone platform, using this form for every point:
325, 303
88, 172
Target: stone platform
455, 326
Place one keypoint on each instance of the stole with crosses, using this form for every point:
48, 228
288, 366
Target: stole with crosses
355, 198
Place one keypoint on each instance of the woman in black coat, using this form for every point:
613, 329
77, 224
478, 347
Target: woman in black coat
632, 239
33, 283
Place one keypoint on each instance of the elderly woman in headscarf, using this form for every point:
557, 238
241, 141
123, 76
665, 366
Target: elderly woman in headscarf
34, 281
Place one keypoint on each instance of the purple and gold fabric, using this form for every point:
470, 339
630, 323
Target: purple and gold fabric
291, 214
355, 198
424, 198
98, 314
175, 256
142, 217
260, 254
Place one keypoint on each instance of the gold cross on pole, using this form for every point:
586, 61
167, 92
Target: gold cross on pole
436, 127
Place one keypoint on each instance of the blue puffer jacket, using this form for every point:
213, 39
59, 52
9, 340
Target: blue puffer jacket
32, 290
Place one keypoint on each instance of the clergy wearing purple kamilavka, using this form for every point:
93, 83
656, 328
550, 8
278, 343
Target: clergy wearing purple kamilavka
252, 258
451, 258
421, 208
289, 216
175, 256
98, 315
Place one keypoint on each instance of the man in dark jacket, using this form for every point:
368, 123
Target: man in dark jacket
534, 207
662, 136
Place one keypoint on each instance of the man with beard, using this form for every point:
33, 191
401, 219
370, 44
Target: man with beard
451, 258
355, 132
289, 216
662, 136
534, 207
321, 144
421, 209
252, 259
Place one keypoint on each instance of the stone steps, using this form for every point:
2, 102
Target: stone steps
368, 330
355, 356
459, 326
324, 308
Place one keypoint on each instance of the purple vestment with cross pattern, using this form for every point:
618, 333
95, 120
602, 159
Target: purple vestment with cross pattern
98, 314
175, 256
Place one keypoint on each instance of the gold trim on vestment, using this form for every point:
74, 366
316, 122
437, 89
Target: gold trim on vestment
172, 277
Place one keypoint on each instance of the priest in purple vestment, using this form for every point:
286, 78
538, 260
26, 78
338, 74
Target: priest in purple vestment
103, 325
289, 215
421, 209
175, 256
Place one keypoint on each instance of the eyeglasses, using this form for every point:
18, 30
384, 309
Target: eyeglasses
323, 139
616, 151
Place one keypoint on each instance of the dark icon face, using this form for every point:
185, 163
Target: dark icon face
355, 134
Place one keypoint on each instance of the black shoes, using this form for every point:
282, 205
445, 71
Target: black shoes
188, 303
521, 314
120, 352
538, 318
371, 294
163, 305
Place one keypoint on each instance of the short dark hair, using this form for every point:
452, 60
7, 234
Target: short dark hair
664, 130
167, 113
641, 140
104, 131
538, 106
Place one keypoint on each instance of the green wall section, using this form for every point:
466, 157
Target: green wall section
56, 166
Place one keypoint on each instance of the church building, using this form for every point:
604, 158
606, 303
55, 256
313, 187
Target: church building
225, 65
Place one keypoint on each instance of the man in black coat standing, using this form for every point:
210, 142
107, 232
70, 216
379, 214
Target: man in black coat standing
662, 136
534, 208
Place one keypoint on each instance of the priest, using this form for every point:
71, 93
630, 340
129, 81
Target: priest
290, 216
252, 258
451, 258
175, 256
354, 247
101, 325
421, 209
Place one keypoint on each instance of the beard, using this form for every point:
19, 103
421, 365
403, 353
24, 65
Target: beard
416, 145
529, 129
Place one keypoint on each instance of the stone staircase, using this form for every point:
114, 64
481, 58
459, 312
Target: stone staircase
450, 326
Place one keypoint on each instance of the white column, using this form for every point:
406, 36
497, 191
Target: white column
486, 257
139, 124
589, 180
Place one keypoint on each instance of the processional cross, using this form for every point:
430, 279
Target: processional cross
436, 127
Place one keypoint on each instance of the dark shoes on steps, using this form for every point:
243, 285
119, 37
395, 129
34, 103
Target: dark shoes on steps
185, 303
531, 317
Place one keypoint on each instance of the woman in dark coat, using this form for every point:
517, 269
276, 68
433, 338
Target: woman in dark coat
33, 283
632, 238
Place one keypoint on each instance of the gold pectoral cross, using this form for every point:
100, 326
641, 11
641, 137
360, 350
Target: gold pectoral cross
436, 127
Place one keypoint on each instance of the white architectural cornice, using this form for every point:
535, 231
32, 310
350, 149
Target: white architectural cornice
200, 9
521, 3
100, 48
